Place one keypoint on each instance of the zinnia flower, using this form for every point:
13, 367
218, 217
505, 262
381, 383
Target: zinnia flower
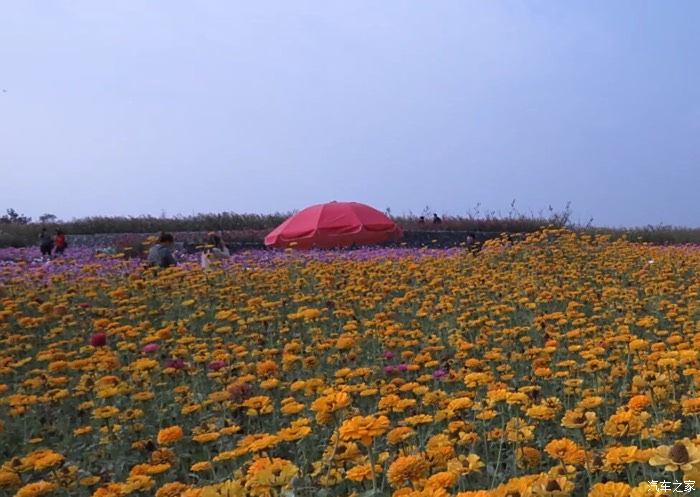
364, 428
682, 455
170, 435
98, 340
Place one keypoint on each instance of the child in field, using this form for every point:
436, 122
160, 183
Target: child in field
161, 254
216, 250
60, 243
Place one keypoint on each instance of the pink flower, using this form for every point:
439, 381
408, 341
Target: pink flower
388, 355
439, 373
389, 369
150, 347
217, 365
175, 364
98, 340
402, 367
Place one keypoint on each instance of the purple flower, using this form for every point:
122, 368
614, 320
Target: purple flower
175, 364
389, 369
150, 347
216, 365
402, 367
388, 355
439, 373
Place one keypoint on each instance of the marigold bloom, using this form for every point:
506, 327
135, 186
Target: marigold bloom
610, 489
170, 435
406, 469
364, 428
565, 450
174, 489
325, 406
691, 407
362, 472
400, 434
265, 474
682, 456
36, 489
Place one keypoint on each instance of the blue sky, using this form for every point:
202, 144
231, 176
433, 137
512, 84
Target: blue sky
136, 107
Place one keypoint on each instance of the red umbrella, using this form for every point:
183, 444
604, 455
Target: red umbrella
335, 224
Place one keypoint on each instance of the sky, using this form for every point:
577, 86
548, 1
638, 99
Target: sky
178, 107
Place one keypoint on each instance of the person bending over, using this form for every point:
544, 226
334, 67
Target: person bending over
161, 254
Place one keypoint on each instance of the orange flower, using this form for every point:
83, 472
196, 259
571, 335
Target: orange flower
406, 469
325, 406
691, 407
364, 428
36, 489
170, 435
610, 489
639, 402
362, 472
565, 450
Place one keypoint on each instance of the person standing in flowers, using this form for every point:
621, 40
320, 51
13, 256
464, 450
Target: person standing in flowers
45, 243
161, 254
215, 250
60, 243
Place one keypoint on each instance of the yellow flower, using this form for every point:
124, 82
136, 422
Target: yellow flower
406, 469
200, 466
174, 489
610, 489
297, 431
228, 488
443, 479
617, 457
639, 402
325, 406
9, 479
682, 456
644, 489
518, 430
626, 422
364, 428
170, 435
206, 437
362, 472
565, 450
258, 405
691, 407
36, 489
265, 474
547, 486
527, 457
578, 419
400, 434
418, 419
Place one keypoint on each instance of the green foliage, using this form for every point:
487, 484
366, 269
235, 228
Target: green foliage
13, 217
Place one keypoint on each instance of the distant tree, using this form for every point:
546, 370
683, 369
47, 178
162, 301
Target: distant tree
12, 217
47, 218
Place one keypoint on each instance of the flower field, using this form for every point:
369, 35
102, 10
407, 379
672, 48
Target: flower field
564, 365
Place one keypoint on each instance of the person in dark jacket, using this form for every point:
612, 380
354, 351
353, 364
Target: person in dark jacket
45, 243
161, 254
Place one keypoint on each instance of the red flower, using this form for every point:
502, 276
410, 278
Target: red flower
98, 340
216, 365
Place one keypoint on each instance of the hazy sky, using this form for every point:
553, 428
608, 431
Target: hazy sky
131, 107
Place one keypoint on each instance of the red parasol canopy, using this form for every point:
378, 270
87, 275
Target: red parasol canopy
335, 224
